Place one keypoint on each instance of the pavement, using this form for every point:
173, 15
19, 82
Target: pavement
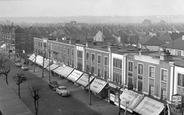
10, 104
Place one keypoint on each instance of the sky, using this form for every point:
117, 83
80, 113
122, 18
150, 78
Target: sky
63, 8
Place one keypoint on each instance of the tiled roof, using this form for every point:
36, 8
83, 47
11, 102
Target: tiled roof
144, 39
176, 44
19, 30
165, 37
154, 41
175, 36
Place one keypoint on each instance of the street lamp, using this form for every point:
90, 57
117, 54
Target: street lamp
49, 64
89, 76
43, 64
35, 62
119, 99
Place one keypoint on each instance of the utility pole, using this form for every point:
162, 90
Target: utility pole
119, 100
35, 62
43, 64
89, 76
49, 64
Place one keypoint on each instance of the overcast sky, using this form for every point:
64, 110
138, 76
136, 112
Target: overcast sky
61, 8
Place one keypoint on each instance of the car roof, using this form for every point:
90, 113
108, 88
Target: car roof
62, 86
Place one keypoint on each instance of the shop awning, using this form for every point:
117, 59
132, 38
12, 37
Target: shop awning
129, 99
75, 75
39, 60
63, 70
149, 106
53, 66
47, 62
97, 85
83, 80
173, 110
32, 57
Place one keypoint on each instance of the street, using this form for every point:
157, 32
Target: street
50, 102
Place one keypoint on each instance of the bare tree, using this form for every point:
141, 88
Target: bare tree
34, 90
19, 78
4, 67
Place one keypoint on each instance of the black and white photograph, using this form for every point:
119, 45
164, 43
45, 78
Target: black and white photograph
91, 57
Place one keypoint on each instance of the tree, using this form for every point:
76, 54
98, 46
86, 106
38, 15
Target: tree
34, 90
146, 22
19, 79
4, 67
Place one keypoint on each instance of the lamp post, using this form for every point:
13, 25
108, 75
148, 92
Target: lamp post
119, 99
35, 62
43, 64
49, 64
89, 76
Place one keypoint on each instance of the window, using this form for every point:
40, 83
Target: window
151, 72
99, 59
151, 89
117, 63
163, 94
68, 51
140, 86
179, 79
72, 51
93, 57
164, 75
179, 53
106, 61
130, 66
99, 72
117, 77
87, 55
79, 54
105, 74
140, 69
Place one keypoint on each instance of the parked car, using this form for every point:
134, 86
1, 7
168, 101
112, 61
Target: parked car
24, 67
62, 90
18, 64
53, 85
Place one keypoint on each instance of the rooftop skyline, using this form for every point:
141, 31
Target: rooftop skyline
63, 8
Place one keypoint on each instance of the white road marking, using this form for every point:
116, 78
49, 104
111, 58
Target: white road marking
45, 99
59, 109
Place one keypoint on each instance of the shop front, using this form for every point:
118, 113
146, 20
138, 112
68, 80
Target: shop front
32, 58
39, 60
47, 62
52, 67
112, 91
63, 71
84, 80
129, 100
75, 75
98, 88
149, 106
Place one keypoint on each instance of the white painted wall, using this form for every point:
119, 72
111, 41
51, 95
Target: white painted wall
123, 58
